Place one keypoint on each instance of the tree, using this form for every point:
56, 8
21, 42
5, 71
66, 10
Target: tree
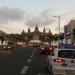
2, 39
61, 36
15, 37
49, 38
55, 37
73, 33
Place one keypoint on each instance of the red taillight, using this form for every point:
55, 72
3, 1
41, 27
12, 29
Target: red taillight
59, 60
50, 48
42, 48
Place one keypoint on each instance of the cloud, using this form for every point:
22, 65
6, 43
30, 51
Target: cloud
65, 18
42, 19
15, 19
10, 17
13, 27
10, 14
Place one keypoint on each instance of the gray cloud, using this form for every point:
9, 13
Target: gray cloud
10, 14
42, 19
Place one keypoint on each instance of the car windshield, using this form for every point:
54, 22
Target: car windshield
67, 54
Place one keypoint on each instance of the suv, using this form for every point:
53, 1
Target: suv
62, 62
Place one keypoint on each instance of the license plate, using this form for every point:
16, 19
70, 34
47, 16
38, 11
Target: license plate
64, 64
70, 71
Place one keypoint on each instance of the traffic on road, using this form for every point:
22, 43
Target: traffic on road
37, 37
22, 61
28, 60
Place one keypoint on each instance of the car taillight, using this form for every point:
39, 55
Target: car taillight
59, 60
42, 48
50, 48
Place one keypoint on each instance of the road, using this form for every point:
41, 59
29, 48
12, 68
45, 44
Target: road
22, 61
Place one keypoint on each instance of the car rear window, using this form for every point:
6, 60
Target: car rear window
67, 54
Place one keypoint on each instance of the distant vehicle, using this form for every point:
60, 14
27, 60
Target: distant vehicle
40, 45
24, 45
8, 47
62, 62
44, 49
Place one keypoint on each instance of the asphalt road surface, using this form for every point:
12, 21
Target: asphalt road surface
22, 61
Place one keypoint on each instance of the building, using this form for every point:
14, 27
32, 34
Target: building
68, 32
36, 35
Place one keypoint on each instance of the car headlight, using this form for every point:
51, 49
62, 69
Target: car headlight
4, 47
8, 47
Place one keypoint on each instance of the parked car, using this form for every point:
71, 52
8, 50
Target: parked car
7, 47
62, 62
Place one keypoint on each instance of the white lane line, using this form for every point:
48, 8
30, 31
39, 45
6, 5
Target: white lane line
33, 52
24, 70
41, 74
29, 60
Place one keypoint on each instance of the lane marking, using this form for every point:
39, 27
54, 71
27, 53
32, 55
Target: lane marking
24, 70
43, 74
33, 52
29, 60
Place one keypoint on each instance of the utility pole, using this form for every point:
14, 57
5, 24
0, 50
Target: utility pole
58, 29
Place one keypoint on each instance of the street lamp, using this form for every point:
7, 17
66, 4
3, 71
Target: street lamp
58, 29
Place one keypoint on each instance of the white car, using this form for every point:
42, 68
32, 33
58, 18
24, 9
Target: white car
62, 62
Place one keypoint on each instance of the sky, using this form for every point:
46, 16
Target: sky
18, 15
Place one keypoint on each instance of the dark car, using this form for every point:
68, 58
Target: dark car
49, 49
42, 49
7, 47
46, 49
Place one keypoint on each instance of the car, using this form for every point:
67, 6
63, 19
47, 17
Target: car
61, 62
44, 49
48, 49
8, 47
